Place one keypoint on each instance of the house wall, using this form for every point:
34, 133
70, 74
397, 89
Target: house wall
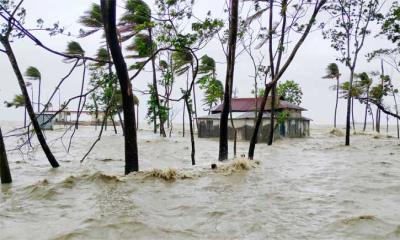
291, 128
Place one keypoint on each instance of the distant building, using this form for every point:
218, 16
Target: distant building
243, 115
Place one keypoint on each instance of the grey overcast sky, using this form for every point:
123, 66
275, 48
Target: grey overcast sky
307, 68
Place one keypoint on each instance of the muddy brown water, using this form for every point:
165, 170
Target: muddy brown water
314, 188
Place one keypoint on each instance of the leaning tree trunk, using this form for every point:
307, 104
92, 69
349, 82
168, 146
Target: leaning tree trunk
5, 173
122, 123
272, 120
108, 9
52, 160
258, 122
189, 112
155, 87
223, 124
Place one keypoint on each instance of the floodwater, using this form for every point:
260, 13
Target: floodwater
314, 188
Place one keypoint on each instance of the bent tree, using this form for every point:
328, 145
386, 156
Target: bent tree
6, 32
352, 19
230, 69
289, 24
108, 10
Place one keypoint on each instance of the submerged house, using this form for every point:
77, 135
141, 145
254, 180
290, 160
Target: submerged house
289, 120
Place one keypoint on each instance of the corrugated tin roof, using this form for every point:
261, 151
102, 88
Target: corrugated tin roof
249, 105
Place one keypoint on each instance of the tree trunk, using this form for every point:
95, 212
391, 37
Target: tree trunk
40, 90
272, 120
366, 111
113, 123
258, 122
337, 101
5, 173
223, 125
348, 114
372, 118
352, 113
194, 100
108, 9
122, 123
378, 120
52, 160
189, 112
137, 118
155, 87
80, 98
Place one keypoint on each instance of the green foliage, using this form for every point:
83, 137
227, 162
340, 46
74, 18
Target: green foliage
207, 65
142, 45
92, 18
290, 91
103, 57
33, 73
282, 117
18, 101
332, 71
153, 111
74, 48
391, 24
213, 88
182, 61
137, 12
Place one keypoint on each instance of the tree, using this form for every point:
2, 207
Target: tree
364, 83
108, 9
347, 36
136, 22
6, 31
332, 72
208, 82
33, 73
230, 70
5, 173
288, 23
290, 91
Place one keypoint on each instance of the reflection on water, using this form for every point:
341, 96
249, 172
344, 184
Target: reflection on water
313, 188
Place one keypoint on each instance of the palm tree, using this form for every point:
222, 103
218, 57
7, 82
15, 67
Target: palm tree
33, 74
364, 83
182, 60
136, 22
136, 102
75, 49
332, 72
91, 19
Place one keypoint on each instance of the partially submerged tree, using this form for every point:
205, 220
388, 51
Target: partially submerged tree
289, 22
230, 70
108, 9
5, 173
351, 26
9, 11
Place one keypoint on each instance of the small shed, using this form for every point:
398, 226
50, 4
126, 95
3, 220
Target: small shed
46, 121
244, 112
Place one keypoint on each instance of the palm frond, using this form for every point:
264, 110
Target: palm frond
33, 73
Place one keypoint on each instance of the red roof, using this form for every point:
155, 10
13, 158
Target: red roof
249, 104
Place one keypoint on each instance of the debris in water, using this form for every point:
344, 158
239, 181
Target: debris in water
354, 220
336, 132
168, 174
